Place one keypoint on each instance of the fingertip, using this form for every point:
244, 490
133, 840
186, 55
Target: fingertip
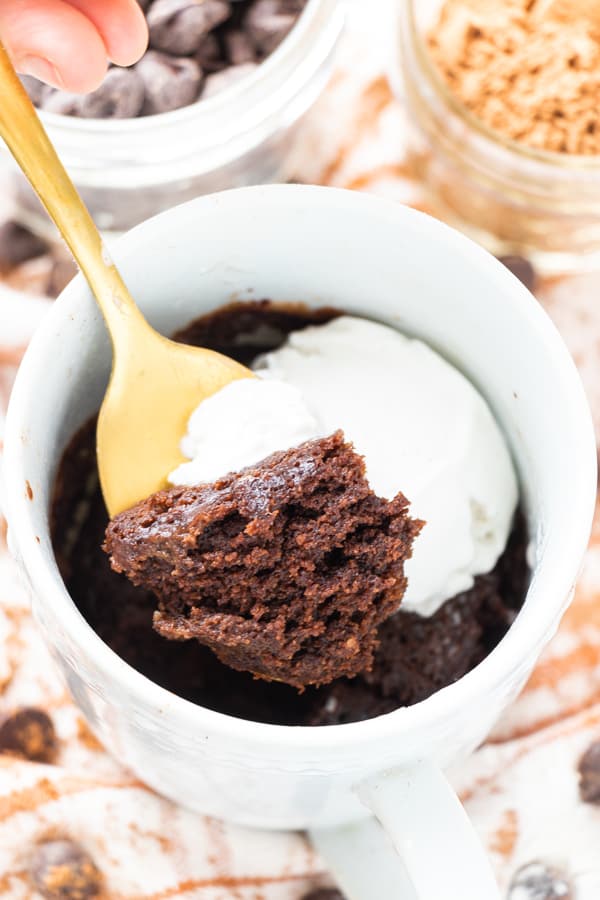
122, 26
84, 80
41, 38
129, 51
61, 75
38, 67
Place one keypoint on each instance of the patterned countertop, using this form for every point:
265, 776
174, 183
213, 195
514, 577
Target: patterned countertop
521, 788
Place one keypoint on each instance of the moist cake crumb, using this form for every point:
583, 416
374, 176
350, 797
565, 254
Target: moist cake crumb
285, 569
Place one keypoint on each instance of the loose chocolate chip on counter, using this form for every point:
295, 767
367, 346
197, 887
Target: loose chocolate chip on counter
120, 96
178, 26
18, 244
62, 870
62, 272
536, 881
589, 775
522, 268
29, 733
268, 22
324, 894
170, 82
217, 82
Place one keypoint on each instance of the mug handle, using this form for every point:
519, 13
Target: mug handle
420, 845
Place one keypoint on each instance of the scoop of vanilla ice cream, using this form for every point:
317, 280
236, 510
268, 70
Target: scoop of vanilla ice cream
241, 424
422, 427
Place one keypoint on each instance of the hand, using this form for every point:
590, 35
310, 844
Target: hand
68, 43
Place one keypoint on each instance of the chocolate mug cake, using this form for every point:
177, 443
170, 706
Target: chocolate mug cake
414, 654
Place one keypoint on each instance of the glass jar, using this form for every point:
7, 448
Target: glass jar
130, 169
512, 199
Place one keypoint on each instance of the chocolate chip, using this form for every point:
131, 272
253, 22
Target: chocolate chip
18, 244
589, 775
537, 881
239, 48
62, 870
170, 82
63, 103
217, 82
268, 22
178, 26
324, 894
522, 268
120, 96
37, 90
29, 733
209, 56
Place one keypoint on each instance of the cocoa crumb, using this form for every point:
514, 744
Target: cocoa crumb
530, 71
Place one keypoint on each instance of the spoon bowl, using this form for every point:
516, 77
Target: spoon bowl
152, 392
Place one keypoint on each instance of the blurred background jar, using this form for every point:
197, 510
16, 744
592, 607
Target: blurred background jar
509, 197
130, 169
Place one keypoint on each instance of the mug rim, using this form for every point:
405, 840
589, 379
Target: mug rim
556, 578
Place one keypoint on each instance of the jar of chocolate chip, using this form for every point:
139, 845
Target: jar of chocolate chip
504, 122
215, 103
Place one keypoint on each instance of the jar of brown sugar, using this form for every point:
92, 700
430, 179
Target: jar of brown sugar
503, 102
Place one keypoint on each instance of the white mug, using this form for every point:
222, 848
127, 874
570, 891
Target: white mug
373, 258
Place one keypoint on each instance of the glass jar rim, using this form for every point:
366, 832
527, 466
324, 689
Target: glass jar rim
573, 162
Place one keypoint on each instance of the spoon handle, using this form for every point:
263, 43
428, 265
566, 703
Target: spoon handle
28, 142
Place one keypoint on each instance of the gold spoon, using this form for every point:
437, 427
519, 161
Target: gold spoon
155, 383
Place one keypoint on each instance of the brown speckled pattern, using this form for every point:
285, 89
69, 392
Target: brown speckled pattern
521, 789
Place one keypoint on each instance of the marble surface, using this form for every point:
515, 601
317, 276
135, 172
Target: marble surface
520, 788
